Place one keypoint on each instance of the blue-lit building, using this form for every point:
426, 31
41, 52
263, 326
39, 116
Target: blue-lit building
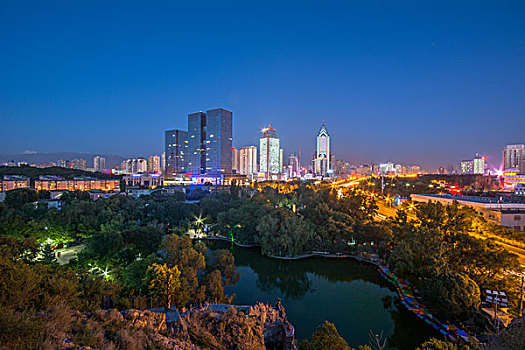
218, 142
210, 142
197, 143
176, 150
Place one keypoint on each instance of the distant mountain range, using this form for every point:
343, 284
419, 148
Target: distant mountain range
112, 160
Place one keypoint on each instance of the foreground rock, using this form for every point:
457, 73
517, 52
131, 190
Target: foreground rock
214, 326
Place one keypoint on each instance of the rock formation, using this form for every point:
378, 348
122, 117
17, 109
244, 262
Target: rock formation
213, 326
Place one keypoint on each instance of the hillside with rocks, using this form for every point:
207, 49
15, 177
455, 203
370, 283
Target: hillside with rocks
213, 326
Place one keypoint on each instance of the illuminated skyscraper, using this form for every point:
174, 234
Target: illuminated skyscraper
197, 143
176, 151
321, 161
467, 166
210, 142
99, 163
479, 165
154, 164
248, 161
219, 141
270, 154
514, 158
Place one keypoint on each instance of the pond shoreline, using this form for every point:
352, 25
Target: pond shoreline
297, 257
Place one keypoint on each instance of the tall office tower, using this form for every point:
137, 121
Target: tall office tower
248, 161
154, 164
176, 152
270, 152
467, 167
99, 164
197, 143
322, 158
163, 159
235, 160
479, 165
514, 158
294, 168
218, 141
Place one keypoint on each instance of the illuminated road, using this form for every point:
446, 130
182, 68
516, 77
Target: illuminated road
385, 211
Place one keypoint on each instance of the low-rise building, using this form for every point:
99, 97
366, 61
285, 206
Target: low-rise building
143, 180
497, 210
52, 183
12, 182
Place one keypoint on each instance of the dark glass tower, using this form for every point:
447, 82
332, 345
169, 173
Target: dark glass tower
197, 143
218, 142
176, 148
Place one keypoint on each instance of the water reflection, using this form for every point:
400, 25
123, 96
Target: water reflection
346, 292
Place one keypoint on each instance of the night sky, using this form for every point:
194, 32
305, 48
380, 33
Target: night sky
425, 82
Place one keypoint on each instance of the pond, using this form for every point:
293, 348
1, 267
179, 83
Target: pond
348, 293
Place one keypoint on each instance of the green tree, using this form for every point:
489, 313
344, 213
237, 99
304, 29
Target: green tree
17, 198
325, 337
451, 297
165, 282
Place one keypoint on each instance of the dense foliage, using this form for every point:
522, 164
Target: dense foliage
134, 246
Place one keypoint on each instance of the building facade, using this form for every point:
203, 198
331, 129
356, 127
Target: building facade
196, 143
294, 167
12, 182
514, 158
269, 153
322, 158
99, 164
135, 165
248, 161
235, 161
505, 213
143, 180
219, 140
176, 151
154, 164
51, 183
478, 165
467, 167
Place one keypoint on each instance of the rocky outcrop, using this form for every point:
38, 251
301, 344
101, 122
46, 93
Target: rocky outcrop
213, 326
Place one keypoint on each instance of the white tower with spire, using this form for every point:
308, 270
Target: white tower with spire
322, 156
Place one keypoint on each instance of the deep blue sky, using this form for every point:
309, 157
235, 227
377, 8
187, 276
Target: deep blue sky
427, 82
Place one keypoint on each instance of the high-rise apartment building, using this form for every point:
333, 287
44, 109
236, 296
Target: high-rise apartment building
79, 164
478, 165
176, 152
270, 153
514, 158
322, 158
99, 164
248, 161
154, 164
294, 168
467, 167
135, 165
235, 160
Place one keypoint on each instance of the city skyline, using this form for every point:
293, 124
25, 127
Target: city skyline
394, 87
